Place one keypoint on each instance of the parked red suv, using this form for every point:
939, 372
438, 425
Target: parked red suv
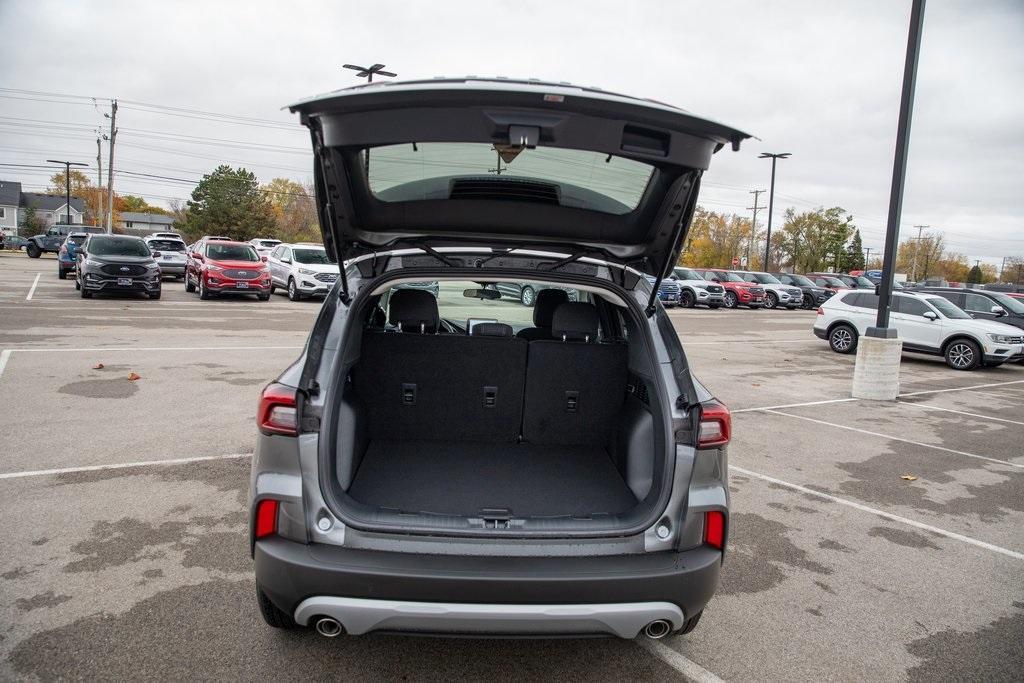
220, 266
738, 292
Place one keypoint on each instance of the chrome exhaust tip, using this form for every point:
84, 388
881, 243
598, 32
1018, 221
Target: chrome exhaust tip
657, 629
328, 627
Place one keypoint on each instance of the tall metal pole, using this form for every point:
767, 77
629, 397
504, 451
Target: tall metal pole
99, 177
753, 223
899, 172
771, 205
110, 168
67, 185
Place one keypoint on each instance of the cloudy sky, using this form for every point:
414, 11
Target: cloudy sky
818, 79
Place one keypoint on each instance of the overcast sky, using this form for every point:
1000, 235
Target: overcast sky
818, 79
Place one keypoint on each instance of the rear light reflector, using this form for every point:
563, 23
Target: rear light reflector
714, 529
266, 518
820, 312
715, 425
277, 413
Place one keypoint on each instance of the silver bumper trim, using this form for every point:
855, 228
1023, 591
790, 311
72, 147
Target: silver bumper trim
359, 616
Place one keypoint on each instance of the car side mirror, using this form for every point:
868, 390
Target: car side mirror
197, 256
156, 254
930, 315
286, 260
998, 311
263, 258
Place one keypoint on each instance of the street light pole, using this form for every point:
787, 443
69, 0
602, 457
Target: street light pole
771, 205
67, 184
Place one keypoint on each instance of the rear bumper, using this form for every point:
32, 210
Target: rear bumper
172, 268
820, 334
290, 573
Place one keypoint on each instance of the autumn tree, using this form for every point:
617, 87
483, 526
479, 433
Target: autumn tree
294, 210
83, 189
229, 201
815, 240
715, 239
137, 204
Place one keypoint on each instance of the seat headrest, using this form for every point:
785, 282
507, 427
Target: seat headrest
575, 322
413, 310
492, 330
545, 304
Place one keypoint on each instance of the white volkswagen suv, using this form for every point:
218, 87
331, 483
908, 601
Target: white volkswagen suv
926, 323
302, 270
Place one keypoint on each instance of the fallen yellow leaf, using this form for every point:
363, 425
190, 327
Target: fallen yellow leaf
908, 477
132, 376
98, 366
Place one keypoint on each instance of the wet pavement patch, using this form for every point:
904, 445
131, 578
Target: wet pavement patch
15, 574
101, 388
910, 539
47, 599
759, 552
991, 653
829, 544
213, 631
117, 543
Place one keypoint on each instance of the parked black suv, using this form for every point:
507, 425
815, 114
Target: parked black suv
416, 471
814, 295
116, 264
983, 304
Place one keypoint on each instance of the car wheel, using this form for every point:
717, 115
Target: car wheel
527, 296
730, 300
154, 295
189, 287
32, 250
61, 274
686, 299
963, 354
86, 294
293, 291
78, 285
843, 339
807, 303
204, 293
263, 297
771, 301
271, 614
273, 288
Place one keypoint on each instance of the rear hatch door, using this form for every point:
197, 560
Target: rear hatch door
508, 164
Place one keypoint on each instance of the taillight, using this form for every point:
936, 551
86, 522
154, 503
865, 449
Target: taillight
276, 413
715, 425
266, 518
820, 312
714, 529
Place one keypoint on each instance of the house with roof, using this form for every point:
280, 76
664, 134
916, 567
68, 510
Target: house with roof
141, 224
10, 200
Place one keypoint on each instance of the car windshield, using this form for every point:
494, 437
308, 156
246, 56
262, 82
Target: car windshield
1008, 302
117, 246
687, 274
864, 283
166, 245
766, 279
947, 308
311, 256
576, 178
801, 281
231, 252
728, 277
834, 282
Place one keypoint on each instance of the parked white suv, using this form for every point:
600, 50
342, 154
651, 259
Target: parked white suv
301, 269
263, 246
776, 293
694, 289
926, 323
173, 254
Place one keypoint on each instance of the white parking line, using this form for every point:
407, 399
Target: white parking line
975, 386
691, 670
962, 412
120, 466
795, 405
162, 348
897, 438
32, 291
881, 513
749, 341
4, 356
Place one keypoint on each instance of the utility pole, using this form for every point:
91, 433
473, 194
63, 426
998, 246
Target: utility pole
1002, 267
771, 205
67, 185
867, 256
99, 175
753, 224
918, 247
110, 167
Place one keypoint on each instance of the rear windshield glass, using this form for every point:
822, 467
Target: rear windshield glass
576, 178
231, 252
314, 256
166, 245
76, 239
269, 243
117, 246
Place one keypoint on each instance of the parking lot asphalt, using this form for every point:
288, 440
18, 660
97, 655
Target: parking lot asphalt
125, 552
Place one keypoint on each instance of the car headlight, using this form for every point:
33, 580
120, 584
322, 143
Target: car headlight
306, 271
90, 262
210, 266
1003, 338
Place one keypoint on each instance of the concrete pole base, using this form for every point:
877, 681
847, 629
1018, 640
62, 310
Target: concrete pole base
876, 376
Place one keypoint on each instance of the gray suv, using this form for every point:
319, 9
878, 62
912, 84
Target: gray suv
427, 467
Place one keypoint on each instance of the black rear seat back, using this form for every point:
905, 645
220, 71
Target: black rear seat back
575, 386
413, 310
441, 387
544, 307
